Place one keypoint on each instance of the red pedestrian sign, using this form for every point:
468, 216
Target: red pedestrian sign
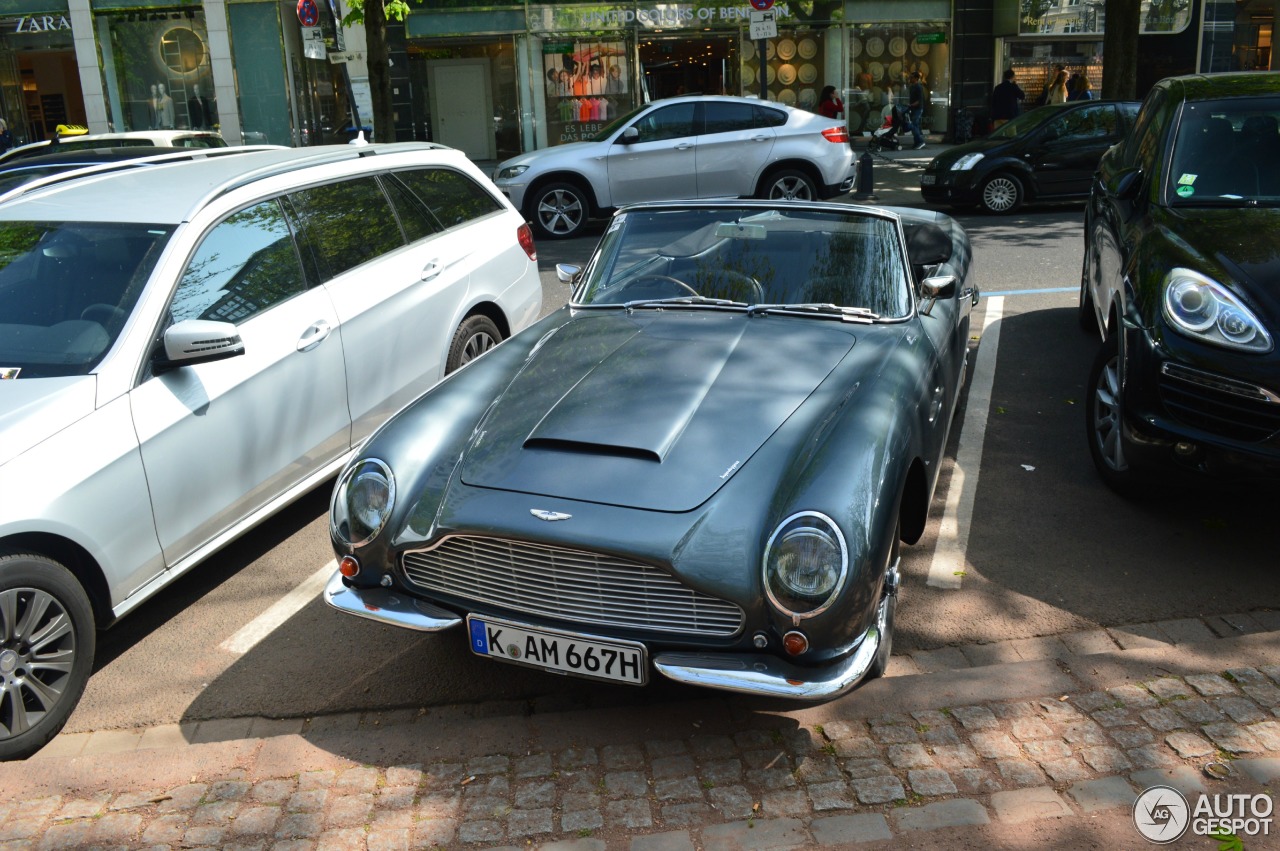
762, 5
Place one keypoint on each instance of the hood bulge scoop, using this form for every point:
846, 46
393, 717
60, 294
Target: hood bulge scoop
654, 410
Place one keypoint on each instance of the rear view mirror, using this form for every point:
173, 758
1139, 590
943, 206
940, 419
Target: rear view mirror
631, 134
1126, 185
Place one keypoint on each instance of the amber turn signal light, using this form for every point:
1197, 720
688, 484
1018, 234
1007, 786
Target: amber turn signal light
795, 643
348, 567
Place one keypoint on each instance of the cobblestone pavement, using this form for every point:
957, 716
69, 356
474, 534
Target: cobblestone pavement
1067, 740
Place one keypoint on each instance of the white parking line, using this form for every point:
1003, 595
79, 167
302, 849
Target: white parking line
947, 568
283, 609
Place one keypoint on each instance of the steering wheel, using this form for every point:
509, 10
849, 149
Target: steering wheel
757, 291
666, 279
106, 315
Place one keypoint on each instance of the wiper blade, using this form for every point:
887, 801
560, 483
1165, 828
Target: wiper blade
851, 314
682, 300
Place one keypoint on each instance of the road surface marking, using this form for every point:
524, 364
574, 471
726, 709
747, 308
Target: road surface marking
1032, 292
283, 609
947, 568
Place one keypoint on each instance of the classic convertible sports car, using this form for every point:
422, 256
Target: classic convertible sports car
703, 465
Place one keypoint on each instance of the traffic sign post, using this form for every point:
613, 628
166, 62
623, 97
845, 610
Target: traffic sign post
764, 26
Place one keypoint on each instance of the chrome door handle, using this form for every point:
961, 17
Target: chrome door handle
314, 336
432, 269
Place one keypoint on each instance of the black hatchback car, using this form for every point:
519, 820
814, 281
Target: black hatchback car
1046, 154
1181, 278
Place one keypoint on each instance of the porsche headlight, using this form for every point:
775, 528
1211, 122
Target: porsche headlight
966, 162
510, 172
1205, 310
805, 564
362, 501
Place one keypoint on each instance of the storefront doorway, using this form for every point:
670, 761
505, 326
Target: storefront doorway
682, 64
39, 79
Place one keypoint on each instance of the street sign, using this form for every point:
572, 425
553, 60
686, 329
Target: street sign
762, 5
313, 46
764, 24
931, 38
308, 13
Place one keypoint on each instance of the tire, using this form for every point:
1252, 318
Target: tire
887, 608
1002, 193
1104, 420
788, 184
559, 210
37, 691
476, 335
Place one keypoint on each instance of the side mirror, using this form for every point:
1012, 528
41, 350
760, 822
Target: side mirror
568, 273
1126, 185
631, 134
939, 286
194, 341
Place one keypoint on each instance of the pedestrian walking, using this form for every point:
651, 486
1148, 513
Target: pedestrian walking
829, 104
1006, 100
1079, 87
915, 108
1057, 91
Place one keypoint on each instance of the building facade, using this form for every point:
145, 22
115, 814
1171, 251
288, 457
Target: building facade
495, 79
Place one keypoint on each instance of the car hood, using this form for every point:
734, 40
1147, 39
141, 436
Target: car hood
654, 410
571, 152
987, 147
1237, 243
32, 410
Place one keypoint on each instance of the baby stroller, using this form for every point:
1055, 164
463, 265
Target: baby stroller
885, 138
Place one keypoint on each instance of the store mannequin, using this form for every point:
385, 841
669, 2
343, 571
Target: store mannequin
164, 108
200, 109
152, 103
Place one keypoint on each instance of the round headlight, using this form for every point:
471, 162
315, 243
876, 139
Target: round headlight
362, 501
1204, 310
805, 564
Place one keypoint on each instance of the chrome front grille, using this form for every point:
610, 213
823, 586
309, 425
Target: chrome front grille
569, 585
1220, 405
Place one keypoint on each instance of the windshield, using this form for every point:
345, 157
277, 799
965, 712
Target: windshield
739, 256
1227, 152
66, 289
612, 127
1025, 122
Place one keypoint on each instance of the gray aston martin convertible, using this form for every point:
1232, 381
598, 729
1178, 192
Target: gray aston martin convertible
702, 466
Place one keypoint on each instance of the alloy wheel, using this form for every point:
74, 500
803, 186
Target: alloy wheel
791, 188
476, 345
1106, 416
560, 212
37, 652
1000, 194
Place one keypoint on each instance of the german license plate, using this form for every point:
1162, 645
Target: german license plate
928, 179
552, 650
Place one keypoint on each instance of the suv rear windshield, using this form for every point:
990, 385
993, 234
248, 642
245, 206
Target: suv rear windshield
66, 289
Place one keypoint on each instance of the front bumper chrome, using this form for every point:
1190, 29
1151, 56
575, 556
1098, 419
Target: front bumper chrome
745, 673
386, 606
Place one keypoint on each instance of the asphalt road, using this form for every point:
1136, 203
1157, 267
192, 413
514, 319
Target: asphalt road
1050, 550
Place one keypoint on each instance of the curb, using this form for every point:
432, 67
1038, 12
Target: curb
1061, 743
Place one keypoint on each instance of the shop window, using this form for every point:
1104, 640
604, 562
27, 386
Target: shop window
883, 59
587, 85
156, 65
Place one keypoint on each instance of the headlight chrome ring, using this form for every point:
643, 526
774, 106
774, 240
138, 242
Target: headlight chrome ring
362, 501
806, 564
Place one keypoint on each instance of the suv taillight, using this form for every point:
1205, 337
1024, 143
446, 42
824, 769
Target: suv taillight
524, 235
839, 135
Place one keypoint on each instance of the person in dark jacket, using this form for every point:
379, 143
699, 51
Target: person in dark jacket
1006, 100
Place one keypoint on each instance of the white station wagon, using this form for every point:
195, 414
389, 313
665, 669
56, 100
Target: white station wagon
186, 348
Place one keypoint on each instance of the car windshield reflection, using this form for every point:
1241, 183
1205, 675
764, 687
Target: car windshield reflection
1227, 153
731, 258
66, 289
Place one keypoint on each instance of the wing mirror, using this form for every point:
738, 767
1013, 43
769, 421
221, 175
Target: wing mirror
568, 273
194, 341
934, 288
1127, 184
631, 134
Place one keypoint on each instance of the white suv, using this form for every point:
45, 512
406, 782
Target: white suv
186, 348
690, 147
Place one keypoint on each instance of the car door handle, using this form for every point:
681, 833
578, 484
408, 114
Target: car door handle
759, 138
683, 146
432, 269
314, 336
